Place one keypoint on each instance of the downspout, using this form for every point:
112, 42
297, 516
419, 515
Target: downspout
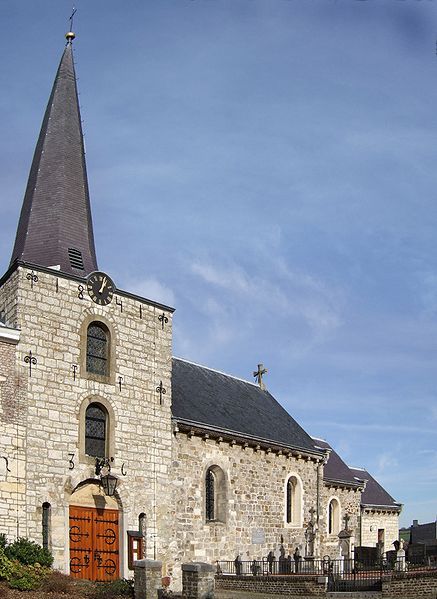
318, 495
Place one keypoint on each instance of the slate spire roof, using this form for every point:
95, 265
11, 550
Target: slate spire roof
55, 226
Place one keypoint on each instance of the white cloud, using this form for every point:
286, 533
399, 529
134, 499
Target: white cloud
387, 462
150, 288
374, 427
292, 294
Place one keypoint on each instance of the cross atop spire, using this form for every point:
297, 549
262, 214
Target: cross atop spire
55, 227
71, 35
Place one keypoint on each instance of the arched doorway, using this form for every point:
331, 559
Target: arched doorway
94, 534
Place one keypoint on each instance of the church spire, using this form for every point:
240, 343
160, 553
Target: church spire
55, 227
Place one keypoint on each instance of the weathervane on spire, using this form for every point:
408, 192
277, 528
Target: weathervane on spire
71, 18
71, 35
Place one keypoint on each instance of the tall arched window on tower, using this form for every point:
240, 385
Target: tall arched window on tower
215, 495
96, 426
97, 349
333, 517
293, 501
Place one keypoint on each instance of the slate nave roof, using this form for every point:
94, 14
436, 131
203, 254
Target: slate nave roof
211, 398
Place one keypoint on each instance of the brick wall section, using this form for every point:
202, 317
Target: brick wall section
198, 581
297, 586
411, 586
147, 578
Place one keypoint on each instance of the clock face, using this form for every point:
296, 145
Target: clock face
100, 288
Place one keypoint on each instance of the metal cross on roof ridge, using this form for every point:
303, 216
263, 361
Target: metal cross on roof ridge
258, 374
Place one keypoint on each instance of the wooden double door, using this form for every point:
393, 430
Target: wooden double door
94, 543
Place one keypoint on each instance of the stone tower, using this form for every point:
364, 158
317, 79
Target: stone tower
85, 374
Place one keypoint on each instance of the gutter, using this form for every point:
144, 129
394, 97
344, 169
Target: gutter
241, 437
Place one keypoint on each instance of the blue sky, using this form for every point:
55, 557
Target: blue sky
268, 167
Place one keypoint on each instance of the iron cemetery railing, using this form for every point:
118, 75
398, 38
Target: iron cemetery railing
342, 575
317, 567
350, 575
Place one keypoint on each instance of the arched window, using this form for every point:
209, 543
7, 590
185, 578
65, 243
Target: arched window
293, 501
215, 495
96, 425
333, 517
97, 349
210, 494
291, 495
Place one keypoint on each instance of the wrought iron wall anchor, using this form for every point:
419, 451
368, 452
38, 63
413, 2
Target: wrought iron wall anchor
123, 470
80, 290
74, 368
163, 320
7, 463
102, 463
119, 303
32, 277
161, 390
29, 359
120, 381
141, 312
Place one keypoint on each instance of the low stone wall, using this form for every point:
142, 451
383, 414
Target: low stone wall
296, 586
411, 585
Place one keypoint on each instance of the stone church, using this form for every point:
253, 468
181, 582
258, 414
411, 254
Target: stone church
110, 449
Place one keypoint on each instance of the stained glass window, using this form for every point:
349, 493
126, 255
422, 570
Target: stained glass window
290, 500
97, 349
95, 431
210, 490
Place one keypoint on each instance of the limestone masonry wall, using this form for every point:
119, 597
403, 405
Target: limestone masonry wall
372, 521
349, 501
13, 412
51, 315
255, 483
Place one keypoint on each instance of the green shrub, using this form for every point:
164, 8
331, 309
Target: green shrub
26, 578
3, 540
28, 553
114, 589
5, 566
